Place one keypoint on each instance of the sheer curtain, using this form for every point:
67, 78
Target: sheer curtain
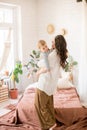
82, 87
6, 50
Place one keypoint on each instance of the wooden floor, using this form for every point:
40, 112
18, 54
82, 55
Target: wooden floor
3, 110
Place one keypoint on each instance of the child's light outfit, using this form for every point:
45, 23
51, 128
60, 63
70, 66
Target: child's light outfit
44, 56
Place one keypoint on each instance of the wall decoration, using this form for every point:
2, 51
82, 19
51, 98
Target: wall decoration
63, 31
50, 28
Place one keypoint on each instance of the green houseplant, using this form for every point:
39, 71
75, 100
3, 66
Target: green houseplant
70, 63
15, 79
32, 65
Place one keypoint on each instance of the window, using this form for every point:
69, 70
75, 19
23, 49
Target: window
6, 15
8, 37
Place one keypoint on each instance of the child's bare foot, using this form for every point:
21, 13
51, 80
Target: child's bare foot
53, 127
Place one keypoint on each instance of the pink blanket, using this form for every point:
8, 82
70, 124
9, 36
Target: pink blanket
67, 98
69, 113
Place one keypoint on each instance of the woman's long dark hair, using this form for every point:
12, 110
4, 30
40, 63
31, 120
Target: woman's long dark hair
61, 48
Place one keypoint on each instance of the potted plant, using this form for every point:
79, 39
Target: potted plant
13, 92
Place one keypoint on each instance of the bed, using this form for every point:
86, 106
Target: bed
69, 113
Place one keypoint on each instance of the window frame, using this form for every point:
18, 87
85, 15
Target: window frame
16, 27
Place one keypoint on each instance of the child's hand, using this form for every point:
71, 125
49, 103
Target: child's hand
53, 45
37, 73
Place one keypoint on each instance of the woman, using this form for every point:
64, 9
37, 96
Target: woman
47, 84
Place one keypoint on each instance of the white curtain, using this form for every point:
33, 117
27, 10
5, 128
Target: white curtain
6, 50
82, 87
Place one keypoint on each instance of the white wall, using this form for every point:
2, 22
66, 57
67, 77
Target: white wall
62, 14
37, 14
65, 14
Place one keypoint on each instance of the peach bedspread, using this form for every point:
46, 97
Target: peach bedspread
69, 113
67, 98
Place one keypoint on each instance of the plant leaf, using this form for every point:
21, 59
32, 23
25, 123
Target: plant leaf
34, 52
74, 63
31, 56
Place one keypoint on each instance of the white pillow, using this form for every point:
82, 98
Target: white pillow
65, 80
64, 83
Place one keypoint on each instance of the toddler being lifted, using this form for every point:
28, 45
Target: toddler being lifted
42, 46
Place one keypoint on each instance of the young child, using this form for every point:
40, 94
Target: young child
42, 46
